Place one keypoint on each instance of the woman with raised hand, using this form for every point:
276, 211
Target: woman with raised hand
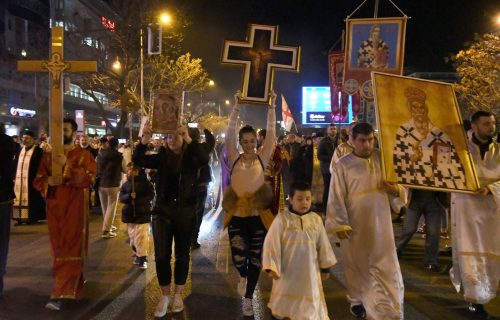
248, 200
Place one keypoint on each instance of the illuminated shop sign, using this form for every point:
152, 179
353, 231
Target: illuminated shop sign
18, 112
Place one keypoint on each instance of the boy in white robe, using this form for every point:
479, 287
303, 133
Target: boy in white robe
476, 220
297, 237
360, 217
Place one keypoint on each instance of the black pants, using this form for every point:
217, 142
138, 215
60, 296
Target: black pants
201, 198
247, 238
170, 223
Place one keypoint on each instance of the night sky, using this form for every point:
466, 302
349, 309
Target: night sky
436, 29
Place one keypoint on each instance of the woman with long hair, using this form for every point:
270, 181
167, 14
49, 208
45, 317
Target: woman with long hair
248, 200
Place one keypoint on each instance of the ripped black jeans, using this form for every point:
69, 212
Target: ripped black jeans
247, 238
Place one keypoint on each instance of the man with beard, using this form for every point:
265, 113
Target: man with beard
29, 206
360, 217
476, 219
424, 155
67, 214
85, 144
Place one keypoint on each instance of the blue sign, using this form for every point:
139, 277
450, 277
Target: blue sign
317, 106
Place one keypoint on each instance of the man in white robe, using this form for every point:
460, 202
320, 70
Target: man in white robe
29, 206
360, 216
476, 220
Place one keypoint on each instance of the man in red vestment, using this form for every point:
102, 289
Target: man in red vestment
67, 215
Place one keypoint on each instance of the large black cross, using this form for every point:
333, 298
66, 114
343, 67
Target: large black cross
260, 55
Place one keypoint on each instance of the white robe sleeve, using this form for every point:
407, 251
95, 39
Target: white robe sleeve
495, 191
337, 218
326, 257
271, 254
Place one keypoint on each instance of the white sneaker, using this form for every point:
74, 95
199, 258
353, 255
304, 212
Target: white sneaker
162, 307
247, 307
178, 304
242, 286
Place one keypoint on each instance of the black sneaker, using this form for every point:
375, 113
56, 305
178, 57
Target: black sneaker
433, 267
195, 245
358, 311
143, 263
54, 304
476, 308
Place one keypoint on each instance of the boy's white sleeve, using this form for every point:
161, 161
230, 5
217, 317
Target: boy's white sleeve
326, 257
271, 254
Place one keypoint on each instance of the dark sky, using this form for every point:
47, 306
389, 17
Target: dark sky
436, 29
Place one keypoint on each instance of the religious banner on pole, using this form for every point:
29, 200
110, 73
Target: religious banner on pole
286, 113
56, 66
340, 104
165, 112
260, 55
375, 44
422, 140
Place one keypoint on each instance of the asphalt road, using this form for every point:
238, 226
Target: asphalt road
116, 289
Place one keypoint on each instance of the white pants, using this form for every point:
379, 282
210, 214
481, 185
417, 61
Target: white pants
109, 200
139, 238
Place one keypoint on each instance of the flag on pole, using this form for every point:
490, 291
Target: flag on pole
286, 114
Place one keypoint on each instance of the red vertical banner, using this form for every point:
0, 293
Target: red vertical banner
336, 69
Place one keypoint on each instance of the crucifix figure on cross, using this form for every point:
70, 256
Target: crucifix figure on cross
56, 66
260, 55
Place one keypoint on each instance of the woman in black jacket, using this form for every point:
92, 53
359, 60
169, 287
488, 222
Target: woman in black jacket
174, 211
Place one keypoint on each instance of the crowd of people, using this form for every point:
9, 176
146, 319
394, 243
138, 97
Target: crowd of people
288, 201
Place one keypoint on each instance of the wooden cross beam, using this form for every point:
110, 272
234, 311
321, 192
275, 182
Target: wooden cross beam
260, 55
56, 66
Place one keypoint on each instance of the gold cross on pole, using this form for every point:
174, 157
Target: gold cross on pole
56, 66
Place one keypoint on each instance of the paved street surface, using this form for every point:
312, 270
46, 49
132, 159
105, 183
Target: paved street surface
116, 289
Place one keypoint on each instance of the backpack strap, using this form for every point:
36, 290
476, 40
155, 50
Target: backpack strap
238, 159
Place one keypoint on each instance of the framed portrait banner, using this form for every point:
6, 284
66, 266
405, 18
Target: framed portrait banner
260, 55
165, 112
422, 140
372, 45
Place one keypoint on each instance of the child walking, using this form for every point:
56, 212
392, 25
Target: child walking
136, 212
297, 255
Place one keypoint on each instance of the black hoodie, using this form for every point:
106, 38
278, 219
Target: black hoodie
109, 168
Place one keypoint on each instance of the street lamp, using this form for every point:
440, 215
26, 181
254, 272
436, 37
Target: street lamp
117, 65
164, 20
226, 102
211, 83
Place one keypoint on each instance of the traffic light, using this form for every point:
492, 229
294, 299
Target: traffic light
154, 38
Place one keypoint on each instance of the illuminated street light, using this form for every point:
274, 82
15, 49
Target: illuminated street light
117, 65
23, 53
227, 102
165, 18
211, 83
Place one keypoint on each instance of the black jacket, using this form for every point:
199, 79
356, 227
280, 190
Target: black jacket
140, 211
176, 178
205, 174
326, 148
109, 168
7, 154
